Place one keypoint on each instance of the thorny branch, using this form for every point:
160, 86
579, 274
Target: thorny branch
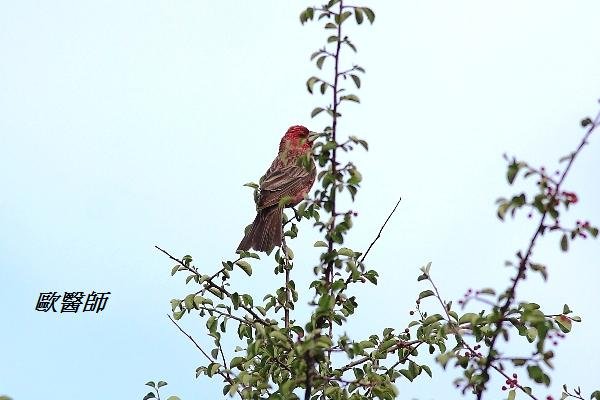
524, 259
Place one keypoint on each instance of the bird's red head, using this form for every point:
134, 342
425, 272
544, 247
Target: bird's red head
297, 132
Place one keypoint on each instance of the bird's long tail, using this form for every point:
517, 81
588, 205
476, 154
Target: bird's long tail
265, 232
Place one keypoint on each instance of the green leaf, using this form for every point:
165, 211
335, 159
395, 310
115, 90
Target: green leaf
532, 334
189, 301
369, 13
536, 373
564, 243
151, 384
212, 368
511, 394
310, 83
358, 14
320, 61
173, 398
564, 323
246, 267
356, 80
350, 97
595, 395
425, 293
251, 185
235, 361
511, 173
427, 369
344, 251
161, 384
432, 318
149, 395
316, 112
320, 243
468, 317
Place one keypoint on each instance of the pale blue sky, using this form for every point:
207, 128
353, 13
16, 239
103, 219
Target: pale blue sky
125, 124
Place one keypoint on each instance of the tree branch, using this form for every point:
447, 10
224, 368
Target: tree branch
381, 230
524, 260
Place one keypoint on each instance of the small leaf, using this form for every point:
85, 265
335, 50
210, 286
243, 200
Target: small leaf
246, 267
320, 61
251, 185
151, 384
358, 14
344, 251
425, 293
149, 395
316, 111
356, 80
511, 394
350, 97
369, 13
427, 369
564, 323
161, 384
513, 170
320, 243
564, 243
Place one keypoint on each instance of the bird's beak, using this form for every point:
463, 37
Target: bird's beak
312, 136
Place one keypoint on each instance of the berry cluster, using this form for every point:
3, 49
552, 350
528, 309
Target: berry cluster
555, 337
511, 382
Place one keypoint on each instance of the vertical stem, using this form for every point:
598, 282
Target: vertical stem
329, 270
287, 268
287, 297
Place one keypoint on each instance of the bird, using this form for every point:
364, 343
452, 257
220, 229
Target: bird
285, 184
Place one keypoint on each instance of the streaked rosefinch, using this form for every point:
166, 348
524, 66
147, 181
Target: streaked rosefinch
284, 184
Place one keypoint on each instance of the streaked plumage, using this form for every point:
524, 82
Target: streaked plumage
286, 178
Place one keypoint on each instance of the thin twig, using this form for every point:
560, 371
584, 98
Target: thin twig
381, 230
220, 372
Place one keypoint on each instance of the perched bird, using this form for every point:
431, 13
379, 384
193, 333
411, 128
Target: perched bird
284, 184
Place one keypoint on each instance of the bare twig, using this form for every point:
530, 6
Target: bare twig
381, 230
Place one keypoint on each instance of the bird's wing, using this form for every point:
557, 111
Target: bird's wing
281, 181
